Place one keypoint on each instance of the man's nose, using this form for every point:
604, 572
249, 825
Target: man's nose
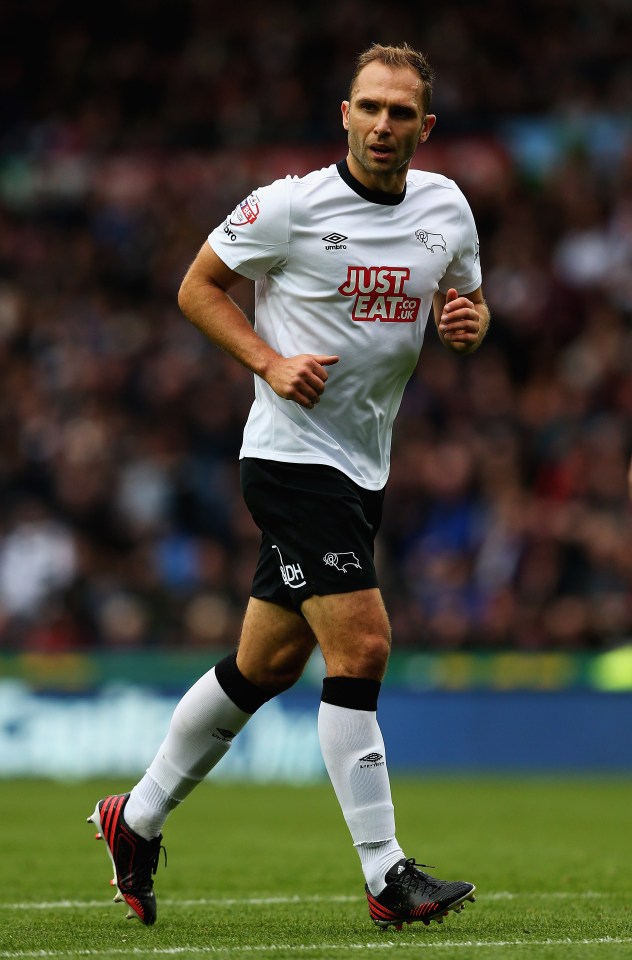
382, 122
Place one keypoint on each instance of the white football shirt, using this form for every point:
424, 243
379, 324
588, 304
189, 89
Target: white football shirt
343, 270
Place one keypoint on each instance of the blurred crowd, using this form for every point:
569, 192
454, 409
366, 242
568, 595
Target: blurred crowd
125, 140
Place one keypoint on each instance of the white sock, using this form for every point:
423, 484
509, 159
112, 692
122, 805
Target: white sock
201, 731
377, 859
353, 751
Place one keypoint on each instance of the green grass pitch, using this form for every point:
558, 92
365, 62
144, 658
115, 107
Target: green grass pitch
258, 871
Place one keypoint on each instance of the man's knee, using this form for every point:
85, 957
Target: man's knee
366, 657
274, 647
280, 672
375, 652
353, 633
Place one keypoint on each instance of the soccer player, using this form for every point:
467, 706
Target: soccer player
348, 261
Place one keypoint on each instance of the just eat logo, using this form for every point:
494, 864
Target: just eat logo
380, 295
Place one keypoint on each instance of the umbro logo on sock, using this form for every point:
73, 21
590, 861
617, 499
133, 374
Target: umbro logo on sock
224, 735
372, 760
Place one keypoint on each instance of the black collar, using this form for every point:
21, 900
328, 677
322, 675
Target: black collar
375, 196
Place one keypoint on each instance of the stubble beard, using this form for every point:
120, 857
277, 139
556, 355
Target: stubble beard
374, 167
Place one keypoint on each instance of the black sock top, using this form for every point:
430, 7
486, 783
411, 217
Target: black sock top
355, 693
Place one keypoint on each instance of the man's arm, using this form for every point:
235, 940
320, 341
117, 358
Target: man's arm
204, 300
462, 322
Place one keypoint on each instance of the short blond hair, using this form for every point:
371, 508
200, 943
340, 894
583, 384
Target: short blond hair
402, 55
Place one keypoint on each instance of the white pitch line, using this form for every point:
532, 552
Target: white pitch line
268, 901
303, 948
551, 895
166, 902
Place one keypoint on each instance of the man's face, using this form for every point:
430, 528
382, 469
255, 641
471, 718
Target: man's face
385, 122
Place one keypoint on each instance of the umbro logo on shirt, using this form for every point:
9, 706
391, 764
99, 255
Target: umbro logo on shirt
335, 241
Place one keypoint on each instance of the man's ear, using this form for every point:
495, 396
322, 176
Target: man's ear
429, 122
344, 106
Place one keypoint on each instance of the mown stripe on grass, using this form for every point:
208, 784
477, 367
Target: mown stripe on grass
309, 947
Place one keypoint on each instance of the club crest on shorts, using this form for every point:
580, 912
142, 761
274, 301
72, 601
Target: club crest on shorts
342, 560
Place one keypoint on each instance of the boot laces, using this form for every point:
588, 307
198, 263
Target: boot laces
155, 859
147, 869
414, 878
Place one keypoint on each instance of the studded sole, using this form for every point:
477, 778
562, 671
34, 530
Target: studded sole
457, 907
95, 818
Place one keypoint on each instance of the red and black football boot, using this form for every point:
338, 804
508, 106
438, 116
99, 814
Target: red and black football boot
411, 895
135, 860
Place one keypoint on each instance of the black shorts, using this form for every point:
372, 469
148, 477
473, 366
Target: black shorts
318, 529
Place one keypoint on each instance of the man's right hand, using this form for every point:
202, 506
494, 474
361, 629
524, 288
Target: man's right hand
300, 378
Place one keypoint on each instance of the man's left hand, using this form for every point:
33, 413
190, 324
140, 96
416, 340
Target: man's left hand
460, 323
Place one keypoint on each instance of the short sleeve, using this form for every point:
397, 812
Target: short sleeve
254, 238
464, 270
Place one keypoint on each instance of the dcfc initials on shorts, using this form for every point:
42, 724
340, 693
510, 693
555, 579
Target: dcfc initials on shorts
291, 573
